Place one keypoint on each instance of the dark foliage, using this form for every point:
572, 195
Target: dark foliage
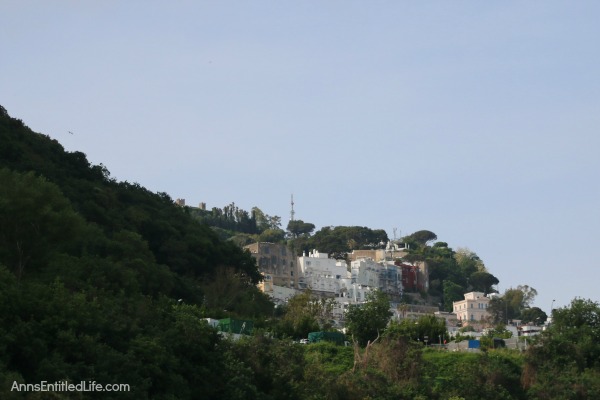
340, 240
106, 281
230, 217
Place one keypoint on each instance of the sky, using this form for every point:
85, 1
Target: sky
475, 120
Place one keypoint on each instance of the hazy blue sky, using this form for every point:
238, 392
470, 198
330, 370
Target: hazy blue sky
477, 120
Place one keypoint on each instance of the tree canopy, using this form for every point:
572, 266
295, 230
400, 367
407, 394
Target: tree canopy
565, 360
420, 238
533, 315
340, 240
483, 282
107, 281
299, 227
512, 304
427, 329
366, 321
35, 220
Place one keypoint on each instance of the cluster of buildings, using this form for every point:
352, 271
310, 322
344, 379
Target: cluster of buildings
346, 283
350, 282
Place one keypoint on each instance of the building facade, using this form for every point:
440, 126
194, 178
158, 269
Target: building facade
385, 276
474, 308
365, 272
322, 274
276, 260
415, 276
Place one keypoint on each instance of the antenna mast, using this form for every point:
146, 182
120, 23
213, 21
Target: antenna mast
292, 212
393, 246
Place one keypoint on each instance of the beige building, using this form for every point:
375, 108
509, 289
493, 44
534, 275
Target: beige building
474, 308
391, 252
277, 261
375, 255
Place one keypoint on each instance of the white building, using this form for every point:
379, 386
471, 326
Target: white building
385, 276
331, 278
529, 330
279, 294
390, 279
350, 294
320, 273
365, 272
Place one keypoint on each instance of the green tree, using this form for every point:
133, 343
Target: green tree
426, 328
301, 315
498, 332
229, 293
442, 267
243, 239
299, 227
340, 240
565, 362
265, 221
366, 321
272, 236
35, 220
511, 304
274, 367
452, 293
471, 376
468, 261
481, 281
420, 238
534, 315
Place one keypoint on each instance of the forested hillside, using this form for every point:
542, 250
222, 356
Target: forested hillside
108, 282
99, 276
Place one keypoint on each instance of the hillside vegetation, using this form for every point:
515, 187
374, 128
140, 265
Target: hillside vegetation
106, 281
